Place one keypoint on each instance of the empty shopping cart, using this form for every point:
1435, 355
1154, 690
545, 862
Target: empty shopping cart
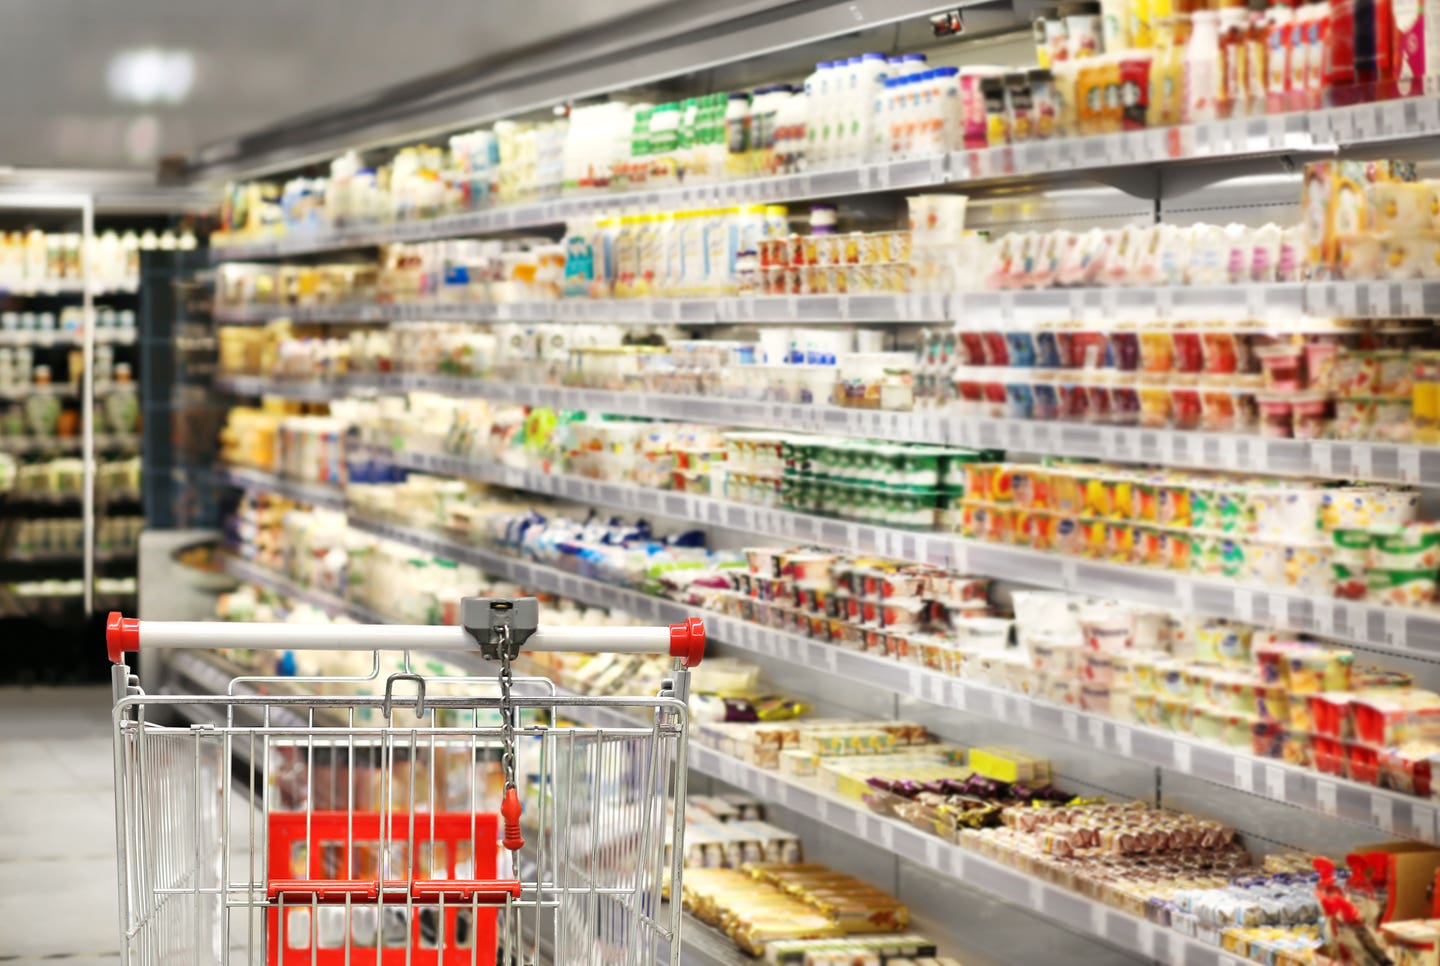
401, 818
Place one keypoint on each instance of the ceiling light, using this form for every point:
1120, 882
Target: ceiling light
151, 75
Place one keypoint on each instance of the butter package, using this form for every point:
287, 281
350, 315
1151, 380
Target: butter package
1008, 765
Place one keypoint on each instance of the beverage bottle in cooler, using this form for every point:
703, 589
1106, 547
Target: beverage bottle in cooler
914, 64
926, 121
1202, 67
879, 150
894, 117
914, 113
1257, 50
872, 83
830, 91
842, 106
949, 112
737, 134
762, 129
815, 89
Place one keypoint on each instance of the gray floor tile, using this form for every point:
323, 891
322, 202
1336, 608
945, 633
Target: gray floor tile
57, 826
59, 907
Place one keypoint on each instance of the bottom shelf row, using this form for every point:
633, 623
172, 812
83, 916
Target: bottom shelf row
1156, 884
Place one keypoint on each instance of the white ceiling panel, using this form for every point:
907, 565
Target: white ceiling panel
249, 63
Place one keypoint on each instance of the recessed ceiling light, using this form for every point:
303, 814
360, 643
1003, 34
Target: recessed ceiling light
151, 75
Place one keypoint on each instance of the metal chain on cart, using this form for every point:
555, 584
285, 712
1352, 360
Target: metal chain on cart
507, 710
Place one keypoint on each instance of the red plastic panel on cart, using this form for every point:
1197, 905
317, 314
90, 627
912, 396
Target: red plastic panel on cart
331, 855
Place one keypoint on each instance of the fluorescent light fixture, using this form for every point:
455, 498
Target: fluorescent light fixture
151, 75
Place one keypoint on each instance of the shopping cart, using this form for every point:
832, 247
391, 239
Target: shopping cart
359, 825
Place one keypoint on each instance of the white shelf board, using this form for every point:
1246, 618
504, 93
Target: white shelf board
758, 309
1022, 307
320, 494
1320, 130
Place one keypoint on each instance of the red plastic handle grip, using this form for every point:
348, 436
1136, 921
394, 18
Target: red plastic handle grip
121, 634
325, 890
510, 810
687, 641
491, 892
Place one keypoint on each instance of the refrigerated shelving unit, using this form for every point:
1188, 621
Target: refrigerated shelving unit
1242, 169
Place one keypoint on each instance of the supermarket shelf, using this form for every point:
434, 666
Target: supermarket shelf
37, 338
1394, 630
306, 390
1288, 301
1311, 131
340, 312
1388, 462
1395, 813
721, 311
68, 444
245, 478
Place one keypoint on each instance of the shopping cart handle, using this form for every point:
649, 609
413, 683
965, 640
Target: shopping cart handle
685, 640
488, 892
325, 890
121, 634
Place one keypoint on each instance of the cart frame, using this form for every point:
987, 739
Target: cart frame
601, 836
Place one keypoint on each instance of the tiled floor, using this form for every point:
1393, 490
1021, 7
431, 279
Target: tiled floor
57, 828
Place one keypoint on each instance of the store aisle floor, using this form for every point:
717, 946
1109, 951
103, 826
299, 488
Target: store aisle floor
57, 827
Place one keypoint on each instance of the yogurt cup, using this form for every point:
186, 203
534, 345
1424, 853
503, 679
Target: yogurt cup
984, 634
1110, 629
1308, 568
1286, 512
1277, 417
1265, 562
1283, 367
1220, 642
1356, 374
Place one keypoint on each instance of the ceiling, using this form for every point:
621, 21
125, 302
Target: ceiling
67, 66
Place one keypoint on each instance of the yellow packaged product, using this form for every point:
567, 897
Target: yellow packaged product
1007, 765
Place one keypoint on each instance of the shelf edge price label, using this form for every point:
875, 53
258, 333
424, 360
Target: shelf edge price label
1244, 775
1095, 729
1382, 810
1070, 721
1325, 797
1180, 753
1395, 629
1122, 740
1275, 783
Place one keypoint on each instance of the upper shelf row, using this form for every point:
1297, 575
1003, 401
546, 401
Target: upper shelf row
1318, 132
